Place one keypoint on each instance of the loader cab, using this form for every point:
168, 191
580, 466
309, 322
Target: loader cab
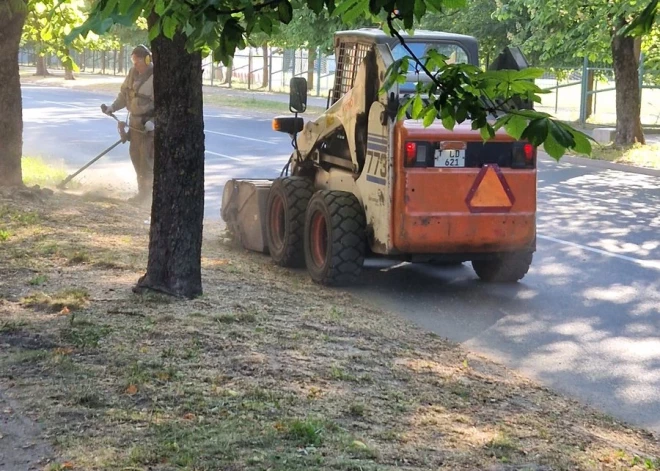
351, 48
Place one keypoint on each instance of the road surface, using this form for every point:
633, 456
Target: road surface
585, 321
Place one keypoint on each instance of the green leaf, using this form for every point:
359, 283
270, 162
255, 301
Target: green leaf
420, 9
159, 8
315, 5
154, 31
449, 122
536, 131
430, 116
344, 7
417, 107
515, 126
169, 26
124, 6
561, 135
285, 11
553, 148
582, 143
487, 132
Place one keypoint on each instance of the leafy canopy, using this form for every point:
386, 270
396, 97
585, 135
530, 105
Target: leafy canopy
455, 92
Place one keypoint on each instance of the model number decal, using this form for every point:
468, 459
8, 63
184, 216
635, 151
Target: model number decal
376, 163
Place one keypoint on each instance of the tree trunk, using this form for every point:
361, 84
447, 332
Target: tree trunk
266, 69
311, 56
120, 61
177, 212
11, 118
103, 62
628, 96
591, 80
228, 74
68, 71
42, 70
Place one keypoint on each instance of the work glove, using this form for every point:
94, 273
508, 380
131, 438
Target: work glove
149, 126
107, 109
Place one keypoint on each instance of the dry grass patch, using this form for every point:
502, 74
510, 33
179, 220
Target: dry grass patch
637, 155
265, 371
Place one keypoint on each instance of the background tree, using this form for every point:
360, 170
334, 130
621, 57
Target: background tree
311, 31
478, 19
561, 28
46, 26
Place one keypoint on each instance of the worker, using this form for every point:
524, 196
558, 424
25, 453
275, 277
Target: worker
137, 96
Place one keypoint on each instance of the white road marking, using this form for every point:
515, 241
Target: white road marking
70, 105
653, 264
235, 136
224, 156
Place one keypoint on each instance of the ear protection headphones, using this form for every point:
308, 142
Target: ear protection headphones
147, 59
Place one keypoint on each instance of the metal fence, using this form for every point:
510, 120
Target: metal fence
585, 93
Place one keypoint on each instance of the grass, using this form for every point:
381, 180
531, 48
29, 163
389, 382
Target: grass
638, 155
252, 103
262, 372
71, 299
38, 172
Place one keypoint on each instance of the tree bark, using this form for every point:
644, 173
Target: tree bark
177, 212
11, 118
228, 74
42, 70
311, 56
266, 69
120, 61
591, 80
68, 71
628, 96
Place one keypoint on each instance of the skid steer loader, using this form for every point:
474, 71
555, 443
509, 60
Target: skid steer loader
361, 183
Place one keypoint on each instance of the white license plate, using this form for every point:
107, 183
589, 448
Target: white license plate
450, 158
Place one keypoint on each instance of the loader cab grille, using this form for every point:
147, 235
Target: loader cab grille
349, 57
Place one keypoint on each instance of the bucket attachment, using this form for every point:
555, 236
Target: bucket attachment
244, 210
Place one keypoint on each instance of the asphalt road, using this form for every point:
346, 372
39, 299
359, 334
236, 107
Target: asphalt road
585, 321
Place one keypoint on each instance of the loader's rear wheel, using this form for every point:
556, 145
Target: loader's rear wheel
509, 267
287, 202
335, 238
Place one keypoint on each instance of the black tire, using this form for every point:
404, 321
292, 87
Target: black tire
335, 238
506, 268
285, 223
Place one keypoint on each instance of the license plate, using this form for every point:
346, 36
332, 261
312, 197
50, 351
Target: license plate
452, 158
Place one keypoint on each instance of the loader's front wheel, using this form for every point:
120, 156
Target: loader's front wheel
335, 238
510, 267
287, 202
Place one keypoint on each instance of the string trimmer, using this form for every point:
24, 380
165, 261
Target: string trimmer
123, 139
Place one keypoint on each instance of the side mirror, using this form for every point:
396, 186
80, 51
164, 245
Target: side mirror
298, 95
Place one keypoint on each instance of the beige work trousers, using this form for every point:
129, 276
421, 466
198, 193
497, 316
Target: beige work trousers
141, 150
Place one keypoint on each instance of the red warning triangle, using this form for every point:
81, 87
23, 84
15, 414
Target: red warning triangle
490, 192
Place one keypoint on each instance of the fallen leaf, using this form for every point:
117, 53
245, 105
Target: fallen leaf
67, 465
63, 351
131, 390
189, 416
358, 444
65, 311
